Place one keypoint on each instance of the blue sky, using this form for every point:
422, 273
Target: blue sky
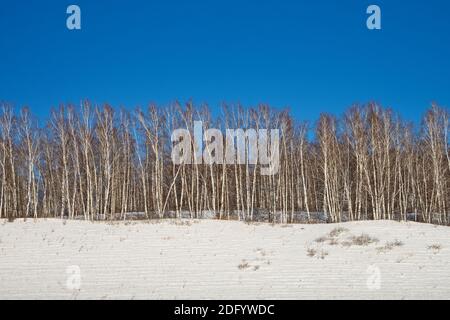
310, 56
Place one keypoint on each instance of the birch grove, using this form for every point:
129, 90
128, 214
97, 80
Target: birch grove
97, 162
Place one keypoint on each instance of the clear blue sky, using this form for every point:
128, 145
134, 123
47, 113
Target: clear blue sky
311, 56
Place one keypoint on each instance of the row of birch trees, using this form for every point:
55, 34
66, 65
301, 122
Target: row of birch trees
96, 162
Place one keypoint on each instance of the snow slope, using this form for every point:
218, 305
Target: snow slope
48, 259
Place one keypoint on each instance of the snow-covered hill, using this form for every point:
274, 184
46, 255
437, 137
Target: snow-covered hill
212, 259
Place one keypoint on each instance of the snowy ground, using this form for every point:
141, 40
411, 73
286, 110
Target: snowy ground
211, 259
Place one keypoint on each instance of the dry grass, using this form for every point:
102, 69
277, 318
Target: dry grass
436, 247
311, 252
363, 240
390, 246
183, 223
336, 232
243, 265
320, 254
322, 239
332, 236
333, 242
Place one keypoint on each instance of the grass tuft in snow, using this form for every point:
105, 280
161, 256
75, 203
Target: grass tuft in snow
322, 239
336, 232
436, 247
319, 254
363, 240
243, 265
390, 246
332, 236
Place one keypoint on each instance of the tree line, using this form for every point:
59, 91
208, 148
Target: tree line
95, 162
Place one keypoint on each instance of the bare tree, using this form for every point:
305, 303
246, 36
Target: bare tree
96, 163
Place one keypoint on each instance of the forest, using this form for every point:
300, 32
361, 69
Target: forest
96, 162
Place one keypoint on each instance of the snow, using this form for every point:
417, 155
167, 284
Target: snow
211, 259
